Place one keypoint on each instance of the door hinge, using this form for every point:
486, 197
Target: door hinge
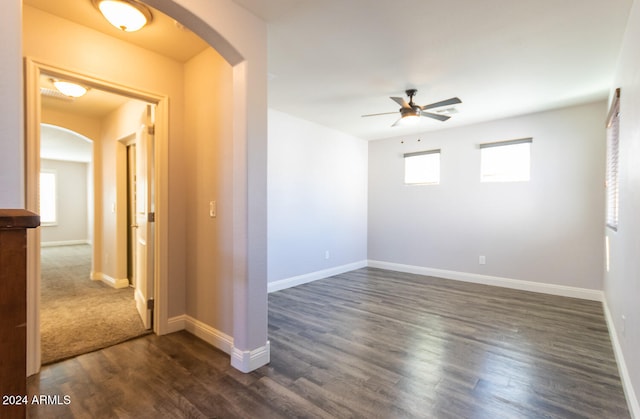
151, 217
150, 304
151, 129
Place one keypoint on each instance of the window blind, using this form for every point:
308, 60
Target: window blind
613, 151
508, 142
420, 153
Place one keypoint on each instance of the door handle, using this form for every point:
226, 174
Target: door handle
134, 225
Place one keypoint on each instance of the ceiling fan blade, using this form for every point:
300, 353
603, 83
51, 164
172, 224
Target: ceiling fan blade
377, 114
396, 123
452, 101
400, 101
435, 116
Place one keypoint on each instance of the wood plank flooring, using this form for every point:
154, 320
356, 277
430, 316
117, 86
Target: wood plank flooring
366, 344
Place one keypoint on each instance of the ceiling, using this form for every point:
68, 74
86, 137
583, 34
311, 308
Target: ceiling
163, 35
332, 61
58, 143
94, 104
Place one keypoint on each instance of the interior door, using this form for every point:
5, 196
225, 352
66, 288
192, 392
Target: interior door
145, 217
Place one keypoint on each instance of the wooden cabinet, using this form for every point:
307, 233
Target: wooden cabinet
13, 308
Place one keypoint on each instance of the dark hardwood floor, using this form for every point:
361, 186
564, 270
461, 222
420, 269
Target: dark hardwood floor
366, 344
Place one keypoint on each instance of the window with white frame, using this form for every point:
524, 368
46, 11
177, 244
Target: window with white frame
613, 145
506, 161
422, 168
48, 198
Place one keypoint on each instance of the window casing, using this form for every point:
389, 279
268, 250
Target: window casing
422, 168
48, 197
506, 161
612, 171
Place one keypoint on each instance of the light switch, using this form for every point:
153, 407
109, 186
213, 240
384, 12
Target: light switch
212, 209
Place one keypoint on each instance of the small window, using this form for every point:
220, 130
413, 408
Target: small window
506, 161
48, 198
422, 168
613, 145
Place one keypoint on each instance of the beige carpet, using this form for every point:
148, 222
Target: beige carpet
79, 315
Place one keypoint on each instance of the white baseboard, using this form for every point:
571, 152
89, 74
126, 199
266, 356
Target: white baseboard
247, 361
561, 290
177, 323
209, 334
64, 243
112, 282
313, 276
202, 330
632, 400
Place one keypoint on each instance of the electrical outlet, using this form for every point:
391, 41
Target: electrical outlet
327, 255
482, 260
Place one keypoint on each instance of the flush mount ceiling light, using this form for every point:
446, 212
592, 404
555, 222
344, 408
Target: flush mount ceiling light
126, 15
69, 89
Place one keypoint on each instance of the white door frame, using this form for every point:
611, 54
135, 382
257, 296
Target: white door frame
33, 69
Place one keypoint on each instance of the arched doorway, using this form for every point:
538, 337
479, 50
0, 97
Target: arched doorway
242, 41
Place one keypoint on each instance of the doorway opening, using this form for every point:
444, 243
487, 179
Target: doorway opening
102, 259
84, 303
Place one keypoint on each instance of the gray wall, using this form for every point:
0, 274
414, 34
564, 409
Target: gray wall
73, 203
548, 230
317, 198
622, 282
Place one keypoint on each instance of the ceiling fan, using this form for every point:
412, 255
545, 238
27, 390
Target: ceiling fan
412, 111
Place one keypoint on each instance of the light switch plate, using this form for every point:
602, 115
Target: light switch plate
212, 209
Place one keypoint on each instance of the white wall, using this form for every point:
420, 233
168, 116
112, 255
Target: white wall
72, 225
209, 144
548, 230
622, 282
317, 198
241, 38
11, 115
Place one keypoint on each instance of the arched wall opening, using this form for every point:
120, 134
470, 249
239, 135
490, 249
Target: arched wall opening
240, 38
242, 42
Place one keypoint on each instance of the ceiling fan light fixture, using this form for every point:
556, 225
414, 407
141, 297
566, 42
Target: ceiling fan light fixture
410, 119
70, 89
126, 15
410, 112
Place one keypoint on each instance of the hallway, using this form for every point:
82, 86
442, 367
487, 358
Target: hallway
79, 315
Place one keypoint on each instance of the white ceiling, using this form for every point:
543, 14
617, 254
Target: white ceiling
332, 61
